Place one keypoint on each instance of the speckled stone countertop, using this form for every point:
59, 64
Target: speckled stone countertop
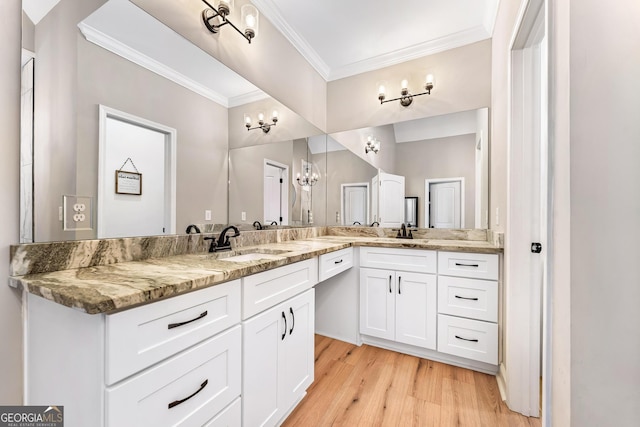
121, 285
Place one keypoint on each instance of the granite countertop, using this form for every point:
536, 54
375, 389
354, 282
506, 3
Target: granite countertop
113, 287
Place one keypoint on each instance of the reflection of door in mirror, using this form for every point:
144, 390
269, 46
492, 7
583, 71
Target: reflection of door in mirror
411, 211
445, 204
132, 144
276, 192
388, 199
355, 203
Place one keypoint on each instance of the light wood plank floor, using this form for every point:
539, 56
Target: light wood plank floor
369, 386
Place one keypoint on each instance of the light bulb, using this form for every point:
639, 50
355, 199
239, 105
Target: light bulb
381, 90
261, 117
274, 116
404, 84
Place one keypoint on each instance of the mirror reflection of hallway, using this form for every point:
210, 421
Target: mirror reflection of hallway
355, 203
275, 193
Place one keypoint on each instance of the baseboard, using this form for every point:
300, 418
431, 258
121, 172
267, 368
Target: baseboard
501, 377
337, 337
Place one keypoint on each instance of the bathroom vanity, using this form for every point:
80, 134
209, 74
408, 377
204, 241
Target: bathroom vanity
202, 339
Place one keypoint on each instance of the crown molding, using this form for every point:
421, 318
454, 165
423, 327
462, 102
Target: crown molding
109, 43
420, 50
272, 13
256, 95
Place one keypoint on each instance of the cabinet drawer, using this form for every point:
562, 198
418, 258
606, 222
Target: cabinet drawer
143, 336
472, 298
185, 390
472, 339
335, 262
271, 287
414, 260
474, 266
229, 417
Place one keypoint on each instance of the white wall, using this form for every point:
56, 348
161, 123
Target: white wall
605, 206
10, 304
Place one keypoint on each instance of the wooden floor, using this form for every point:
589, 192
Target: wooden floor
369, 386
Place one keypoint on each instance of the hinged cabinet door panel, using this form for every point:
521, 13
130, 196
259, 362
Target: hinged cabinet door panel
377, 303
416, 309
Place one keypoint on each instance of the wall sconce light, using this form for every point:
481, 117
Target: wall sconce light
307, 180
372, 145
266, 127
216, 17
405, 97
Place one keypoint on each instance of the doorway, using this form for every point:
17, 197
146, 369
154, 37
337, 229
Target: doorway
444, 203
527, 298
355, 203
276, 193
137, 147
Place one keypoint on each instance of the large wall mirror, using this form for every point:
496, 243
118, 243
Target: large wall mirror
97, 53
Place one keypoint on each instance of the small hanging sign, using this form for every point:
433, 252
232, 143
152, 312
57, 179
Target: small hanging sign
128, 182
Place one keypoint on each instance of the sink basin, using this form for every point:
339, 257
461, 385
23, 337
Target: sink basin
250, 257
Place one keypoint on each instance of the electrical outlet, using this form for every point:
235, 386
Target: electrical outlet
244, 216
207, 215
76, 213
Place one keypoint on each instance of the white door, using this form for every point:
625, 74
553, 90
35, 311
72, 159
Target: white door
390, 199
127, 214
445, 208
416, 309
377, 307
261, 338
355, 204
297, 355
274, 183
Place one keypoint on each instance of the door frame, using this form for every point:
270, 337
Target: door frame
284, 196
427, 200
527, 304
170, 144
354, 184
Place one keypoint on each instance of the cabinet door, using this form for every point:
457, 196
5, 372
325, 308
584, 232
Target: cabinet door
416, 309
296, 355
260, 368
377, 307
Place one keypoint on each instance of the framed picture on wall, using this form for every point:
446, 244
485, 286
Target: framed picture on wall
128, 183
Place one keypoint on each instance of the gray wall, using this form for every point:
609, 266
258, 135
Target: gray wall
28, 33
73, 77
10, 304
438, 158
605, 206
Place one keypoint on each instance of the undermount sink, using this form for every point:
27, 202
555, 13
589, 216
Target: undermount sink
250, 257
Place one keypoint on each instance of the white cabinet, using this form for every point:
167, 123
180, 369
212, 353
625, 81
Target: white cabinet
131, 367
398, 306
278, 360
468, 306
334, 263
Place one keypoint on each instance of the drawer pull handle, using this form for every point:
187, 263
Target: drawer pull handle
175, 325
177, 402
338, 262
466, 339
284, 334
459, 264
399, 281
470, 299
390, 291
293, 320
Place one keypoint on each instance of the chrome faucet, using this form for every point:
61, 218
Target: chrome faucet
223, 241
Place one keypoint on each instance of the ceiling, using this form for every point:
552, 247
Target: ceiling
338, 38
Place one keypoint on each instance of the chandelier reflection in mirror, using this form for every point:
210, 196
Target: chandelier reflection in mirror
405, 98
308, 178
215, 17
266, 127
372, 145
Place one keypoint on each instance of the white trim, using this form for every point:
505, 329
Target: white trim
25, 348
501, 378
246, 98
354, 184
171, 137
428, 182
284, 200
109, 43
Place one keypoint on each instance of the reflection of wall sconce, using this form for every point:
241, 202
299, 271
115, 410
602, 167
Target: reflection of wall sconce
372, 145
266, 127
405, 97
225, 7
